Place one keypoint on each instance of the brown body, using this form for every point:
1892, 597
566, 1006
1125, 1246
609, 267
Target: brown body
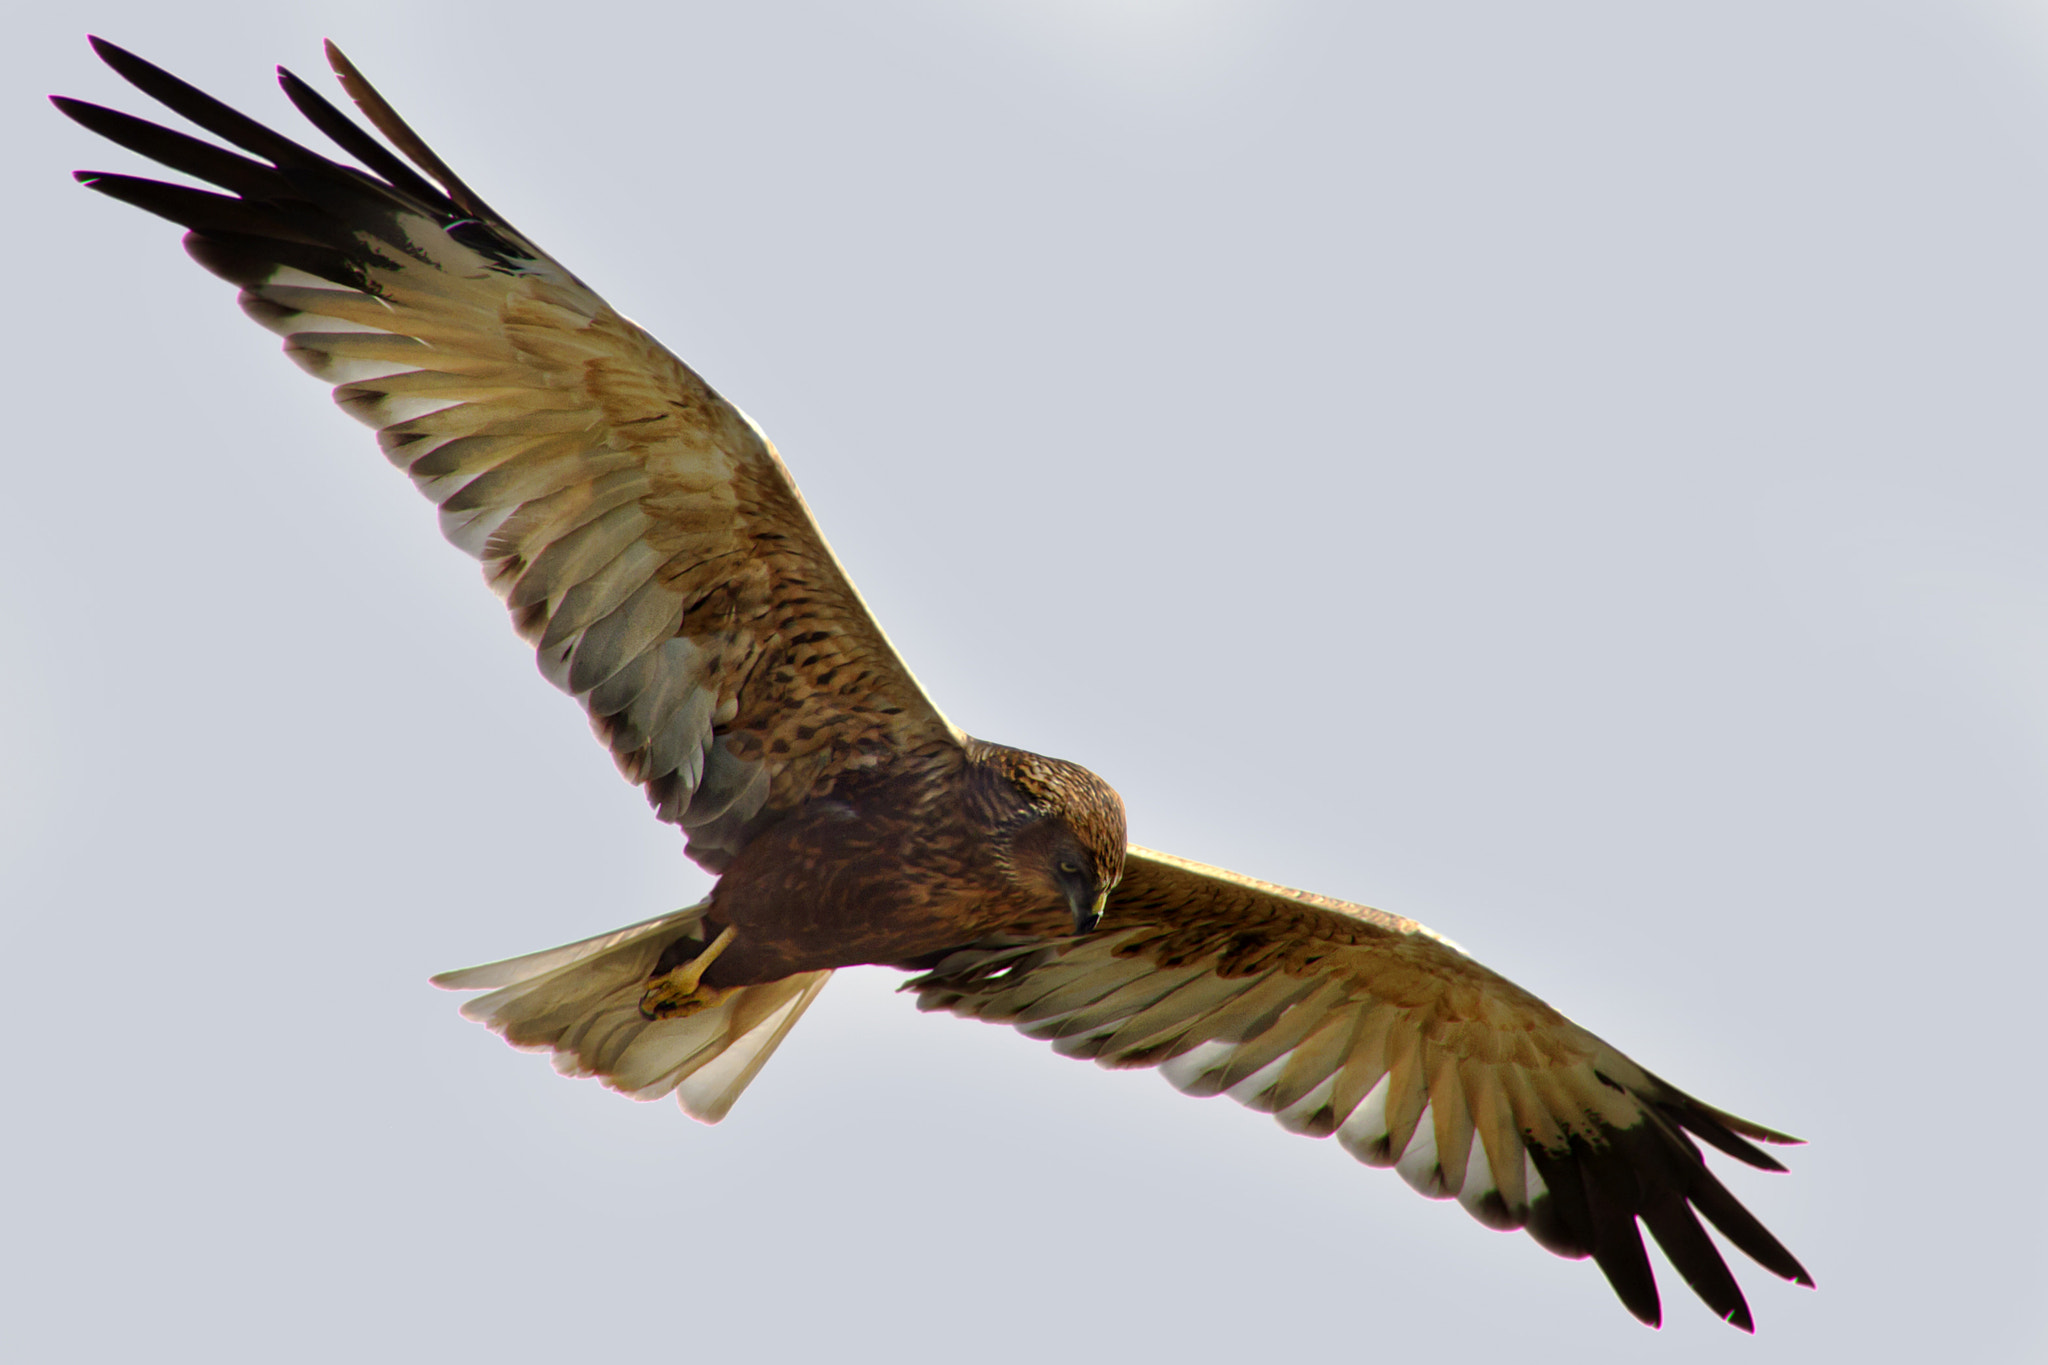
896, 866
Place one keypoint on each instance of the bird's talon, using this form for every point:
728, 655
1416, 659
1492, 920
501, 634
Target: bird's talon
679, 992
668, 999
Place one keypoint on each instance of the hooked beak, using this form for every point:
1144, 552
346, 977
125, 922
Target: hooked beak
1087, 916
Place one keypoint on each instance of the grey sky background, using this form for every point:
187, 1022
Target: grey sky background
1569, 473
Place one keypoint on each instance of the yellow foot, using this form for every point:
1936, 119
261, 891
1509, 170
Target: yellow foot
675, 994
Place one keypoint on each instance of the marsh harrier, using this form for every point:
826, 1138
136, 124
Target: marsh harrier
650, 544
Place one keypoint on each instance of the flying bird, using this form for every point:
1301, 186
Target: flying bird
652, 546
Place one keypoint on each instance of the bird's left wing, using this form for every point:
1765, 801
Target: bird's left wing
644, 534
1343, 1020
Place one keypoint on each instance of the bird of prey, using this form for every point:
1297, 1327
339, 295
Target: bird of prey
652, 547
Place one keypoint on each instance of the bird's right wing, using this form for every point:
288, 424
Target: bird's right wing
646, 536
1343, 1020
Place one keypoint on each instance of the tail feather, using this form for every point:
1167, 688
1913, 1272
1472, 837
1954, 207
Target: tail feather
582, 1003
516, 969
709, 1092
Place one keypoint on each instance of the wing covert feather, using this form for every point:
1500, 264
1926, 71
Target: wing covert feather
646, 537
1347, 1021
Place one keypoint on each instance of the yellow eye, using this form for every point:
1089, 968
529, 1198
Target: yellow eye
1068, 867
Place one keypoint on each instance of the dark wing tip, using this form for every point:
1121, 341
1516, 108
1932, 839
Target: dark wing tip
1637, 1292
399, 133
130, 67
87, 115
187, 100
352, 139
1718, 1128
1600, 1195
1676, 1228
1750, 1129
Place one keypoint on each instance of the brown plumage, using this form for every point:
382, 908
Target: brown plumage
899, 865
652, 547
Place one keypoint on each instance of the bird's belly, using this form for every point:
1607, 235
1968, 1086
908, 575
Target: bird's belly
842, 890
790, 935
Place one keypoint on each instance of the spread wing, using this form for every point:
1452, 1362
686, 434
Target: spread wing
645, 535
1345, 1021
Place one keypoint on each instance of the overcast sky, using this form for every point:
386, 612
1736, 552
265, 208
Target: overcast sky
1570, 473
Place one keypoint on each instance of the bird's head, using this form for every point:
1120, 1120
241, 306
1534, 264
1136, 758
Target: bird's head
1059, 829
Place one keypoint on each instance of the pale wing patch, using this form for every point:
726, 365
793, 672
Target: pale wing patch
644, 535
481, 388
1350, 1023
1320, 1052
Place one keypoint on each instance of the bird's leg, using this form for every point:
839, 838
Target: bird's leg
676, 994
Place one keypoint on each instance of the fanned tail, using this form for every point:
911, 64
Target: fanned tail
582, 1003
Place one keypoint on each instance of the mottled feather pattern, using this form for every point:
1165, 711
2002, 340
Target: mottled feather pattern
645, 535
1344, 1021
